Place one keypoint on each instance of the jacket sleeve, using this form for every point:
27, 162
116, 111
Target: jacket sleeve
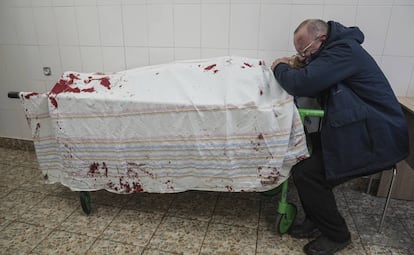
332, 65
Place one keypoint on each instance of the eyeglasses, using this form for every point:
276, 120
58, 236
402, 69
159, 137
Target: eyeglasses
302, 53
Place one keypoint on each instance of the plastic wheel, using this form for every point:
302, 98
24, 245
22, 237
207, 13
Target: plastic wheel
285, 221
85, 199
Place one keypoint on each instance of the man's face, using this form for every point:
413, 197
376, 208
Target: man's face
305, 44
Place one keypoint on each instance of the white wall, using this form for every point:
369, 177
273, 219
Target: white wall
112, 35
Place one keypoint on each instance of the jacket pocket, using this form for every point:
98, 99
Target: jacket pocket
347, 116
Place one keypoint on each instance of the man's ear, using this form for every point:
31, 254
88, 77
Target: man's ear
323, 37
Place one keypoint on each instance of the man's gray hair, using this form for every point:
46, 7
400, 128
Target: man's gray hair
315, 27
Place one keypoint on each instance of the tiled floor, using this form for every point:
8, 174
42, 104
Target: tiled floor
37, 218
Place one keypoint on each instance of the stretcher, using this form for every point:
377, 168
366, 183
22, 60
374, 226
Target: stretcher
221, 124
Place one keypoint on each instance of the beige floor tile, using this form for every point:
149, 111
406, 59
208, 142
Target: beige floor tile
5, 190
237, 212
270, 242
60, 242
93, 224
194, 205
179, 235
107, 247
63, 191
382, 250
17, 202
38, 184
133, 227
50, 212
13, 177
20, 238
149, 251
226, 239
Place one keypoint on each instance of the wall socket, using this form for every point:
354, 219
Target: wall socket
47, 71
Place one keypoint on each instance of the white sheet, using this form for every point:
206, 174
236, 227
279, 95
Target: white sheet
220, 124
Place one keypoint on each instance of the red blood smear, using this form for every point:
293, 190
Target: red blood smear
260, 136
105, 82
53, 101
105, 168
137, 187
261, 92
30, 95
247, 64
91, 89
93, 168
215, 71
210, 67
260, 62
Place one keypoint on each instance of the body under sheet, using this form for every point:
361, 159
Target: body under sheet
220, 124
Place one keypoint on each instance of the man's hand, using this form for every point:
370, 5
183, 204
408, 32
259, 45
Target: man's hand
280, 60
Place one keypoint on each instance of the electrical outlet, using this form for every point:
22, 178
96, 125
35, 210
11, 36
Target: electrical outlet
47, 71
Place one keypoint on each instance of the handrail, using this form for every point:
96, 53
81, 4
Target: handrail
13, 94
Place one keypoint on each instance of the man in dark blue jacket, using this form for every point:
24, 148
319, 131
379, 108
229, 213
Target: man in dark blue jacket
363, 130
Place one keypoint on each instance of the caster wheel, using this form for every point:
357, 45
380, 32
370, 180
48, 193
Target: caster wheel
85, 199
285, 221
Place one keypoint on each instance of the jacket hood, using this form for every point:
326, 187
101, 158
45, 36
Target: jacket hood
339, 32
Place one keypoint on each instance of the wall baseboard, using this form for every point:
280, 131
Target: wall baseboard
17, 144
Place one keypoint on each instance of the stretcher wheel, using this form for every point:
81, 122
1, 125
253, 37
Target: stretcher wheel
285, 221
85, 199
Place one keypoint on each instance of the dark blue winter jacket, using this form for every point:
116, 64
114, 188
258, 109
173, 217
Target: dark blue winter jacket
364, 129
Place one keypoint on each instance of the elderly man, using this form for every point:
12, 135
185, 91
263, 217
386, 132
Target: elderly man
363, 130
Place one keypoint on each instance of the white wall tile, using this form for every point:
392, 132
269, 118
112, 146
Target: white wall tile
13, 124
92, 59
8, 25
31, 64
341, 2
187, 53
211, 53
85, 3
44, 21
161, 55
215, 21
187, 1
50, 57
400, 39
66, 25
375, 32
88, 25
160, 25
299, 14
410, 91
41, 3
313, 2
375, 2
22, 3
110, 19
133, 2
71, 59
187, 26
344, 14
108, 2
113, 59
25, 26
63, 2
135, 25
243, 53
244, 24
274, 27
398, 70
403, 2
136, 57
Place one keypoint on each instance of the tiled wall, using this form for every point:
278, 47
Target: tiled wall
112, 35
